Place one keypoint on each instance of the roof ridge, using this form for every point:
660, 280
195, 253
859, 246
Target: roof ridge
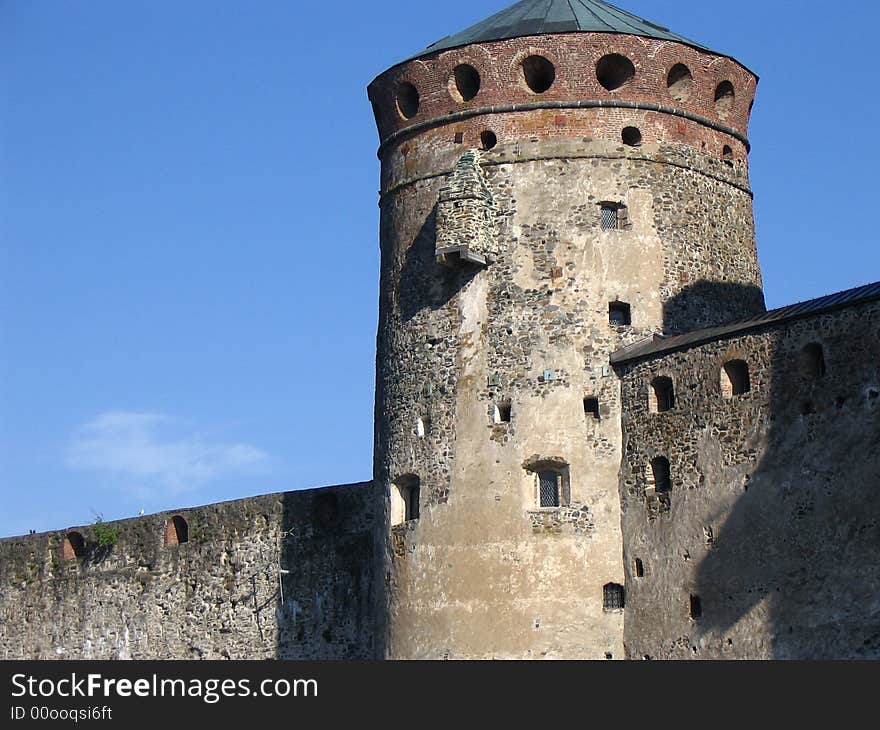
546, 17
818, 305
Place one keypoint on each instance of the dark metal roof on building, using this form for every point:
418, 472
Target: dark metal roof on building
540, 17
661, 344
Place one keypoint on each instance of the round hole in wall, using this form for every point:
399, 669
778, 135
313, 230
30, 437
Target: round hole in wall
407, 100
724, 98
614, 71
539, 73
631, 136
467, 81
488, 139
679, 82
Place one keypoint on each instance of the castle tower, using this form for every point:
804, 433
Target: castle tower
551, 178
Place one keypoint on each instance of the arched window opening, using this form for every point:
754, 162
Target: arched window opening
727, 155
679, 82
501, 412
176, 531
467, 81
407, 100
735, 378
539, 73
724, 99
661, 475
812, 361
614, 71
612, 597
658, 487
639, 568
405, 499
662, 397
74, 546
488, 140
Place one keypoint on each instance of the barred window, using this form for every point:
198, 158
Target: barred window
549, 483
610, 219
613, 216
612, 597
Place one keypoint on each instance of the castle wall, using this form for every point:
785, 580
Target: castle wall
773, 521
484, 571
213, 597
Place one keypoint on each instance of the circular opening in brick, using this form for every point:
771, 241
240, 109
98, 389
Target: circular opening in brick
467, 81
407, 100
631, 136
488, 139
539, 73
679, 82
614, 71
724, 98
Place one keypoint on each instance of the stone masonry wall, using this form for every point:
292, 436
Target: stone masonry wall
213, 597
773, 523
484, 571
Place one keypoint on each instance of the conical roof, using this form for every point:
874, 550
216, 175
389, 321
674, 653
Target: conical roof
539, 17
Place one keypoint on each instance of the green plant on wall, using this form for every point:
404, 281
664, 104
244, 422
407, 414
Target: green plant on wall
106, 535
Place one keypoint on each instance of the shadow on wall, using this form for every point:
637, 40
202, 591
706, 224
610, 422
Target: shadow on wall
709, 304
798, 532
425, 284
324, 602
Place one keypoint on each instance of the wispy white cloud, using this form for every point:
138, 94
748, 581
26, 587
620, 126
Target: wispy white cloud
149, 452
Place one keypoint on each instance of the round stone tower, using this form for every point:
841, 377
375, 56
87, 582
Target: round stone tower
558, 181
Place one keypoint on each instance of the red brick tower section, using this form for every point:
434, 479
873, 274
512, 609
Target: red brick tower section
572, 85
546, 198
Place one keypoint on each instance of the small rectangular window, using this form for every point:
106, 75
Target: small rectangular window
610, 219
591, 408
696, 607
619, 314
502, 412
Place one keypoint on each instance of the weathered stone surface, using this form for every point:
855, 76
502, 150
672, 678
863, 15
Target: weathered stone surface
529, 456
216, 596
485, 571
774, 522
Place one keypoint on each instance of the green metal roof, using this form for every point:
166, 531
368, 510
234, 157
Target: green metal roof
540, 17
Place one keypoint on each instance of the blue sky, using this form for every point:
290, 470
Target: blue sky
188, 227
